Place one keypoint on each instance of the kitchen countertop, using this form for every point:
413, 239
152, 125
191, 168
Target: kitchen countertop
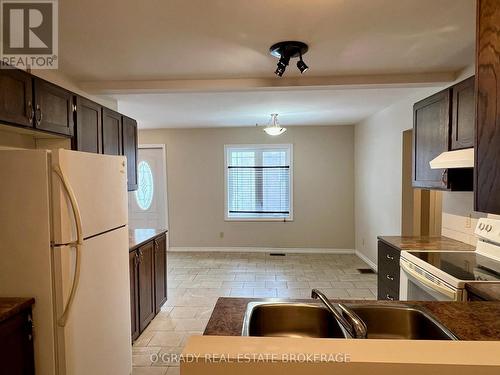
11, 306
468, 321
425, 243
487, 291
138, 237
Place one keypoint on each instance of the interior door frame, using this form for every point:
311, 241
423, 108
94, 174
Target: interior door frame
162, 147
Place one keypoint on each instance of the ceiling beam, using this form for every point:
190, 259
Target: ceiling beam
257, 84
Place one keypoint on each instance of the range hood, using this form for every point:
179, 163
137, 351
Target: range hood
454, 159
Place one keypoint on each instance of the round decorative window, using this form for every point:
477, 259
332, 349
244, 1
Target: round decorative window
144, 192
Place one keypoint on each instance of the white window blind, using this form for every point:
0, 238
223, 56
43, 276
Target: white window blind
258, 182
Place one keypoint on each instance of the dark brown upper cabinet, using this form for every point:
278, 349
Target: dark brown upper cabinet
463, 115
88, 124
431, 124
54, 108
487, 157
129, 147
111, 132
443, 122
16, 97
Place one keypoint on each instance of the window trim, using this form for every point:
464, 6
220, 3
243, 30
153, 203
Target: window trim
226, 192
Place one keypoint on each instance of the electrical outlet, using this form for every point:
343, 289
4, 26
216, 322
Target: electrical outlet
221, 235
468, 221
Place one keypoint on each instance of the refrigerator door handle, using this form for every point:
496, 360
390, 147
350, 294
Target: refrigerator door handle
76, 244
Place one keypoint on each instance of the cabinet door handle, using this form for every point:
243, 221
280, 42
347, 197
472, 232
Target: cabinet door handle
38, 114
389, 277
390, 257
387, 296
31, 112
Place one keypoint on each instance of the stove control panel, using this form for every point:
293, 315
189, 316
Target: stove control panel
488, 229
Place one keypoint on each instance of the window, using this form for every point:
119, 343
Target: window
144, 192
258, 182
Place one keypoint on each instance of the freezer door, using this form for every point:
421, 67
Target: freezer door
96, 338
99, 184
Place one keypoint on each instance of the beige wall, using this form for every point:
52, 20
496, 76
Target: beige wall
378, 173
323, 188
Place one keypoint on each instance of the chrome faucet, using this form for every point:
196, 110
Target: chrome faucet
355, 327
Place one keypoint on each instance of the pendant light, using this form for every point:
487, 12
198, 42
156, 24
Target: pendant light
274, 128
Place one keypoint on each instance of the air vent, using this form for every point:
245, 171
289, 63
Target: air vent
277, 254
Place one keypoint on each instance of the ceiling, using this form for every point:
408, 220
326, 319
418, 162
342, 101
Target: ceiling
131, 43
298, 107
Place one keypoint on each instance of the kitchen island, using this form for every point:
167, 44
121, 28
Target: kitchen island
472, 321
222, 349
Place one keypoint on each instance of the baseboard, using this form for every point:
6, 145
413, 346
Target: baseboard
287, 250
367, 260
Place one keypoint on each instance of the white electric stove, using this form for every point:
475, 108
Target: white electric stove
442, 275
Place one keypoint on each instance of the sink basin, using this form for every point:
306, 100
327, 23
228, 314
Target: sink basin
313, 320
290, 320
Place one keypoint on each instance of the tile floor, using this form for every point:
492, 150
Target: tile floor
197, 280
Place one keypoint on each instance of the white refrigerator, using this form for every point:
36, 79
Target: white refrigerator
64, 241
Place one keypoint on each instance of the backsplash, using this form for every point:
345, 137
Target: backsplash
459, 218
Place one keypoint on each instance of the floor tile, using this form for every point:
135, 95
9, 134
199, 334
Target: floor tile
197, 280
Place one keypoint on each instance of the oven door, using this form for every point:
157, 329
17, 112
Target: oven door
417, 284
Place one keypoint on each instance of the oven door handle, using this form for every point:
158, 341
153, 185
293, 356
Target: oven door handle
429, 284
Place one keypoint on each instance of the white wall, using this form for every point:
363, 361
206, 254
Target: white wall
378, 176
378, 144
323, 188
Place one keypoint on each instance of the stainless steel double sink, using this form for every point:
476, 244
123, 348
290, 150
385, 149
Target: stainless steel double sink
289, 319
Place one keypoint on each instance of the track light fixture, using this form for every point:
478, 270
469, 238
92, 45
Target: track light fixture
301, 65
284, 51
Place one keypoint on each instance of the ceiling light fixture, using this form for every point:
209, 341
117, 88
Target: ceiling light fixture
274, 127
302, 66
284, 51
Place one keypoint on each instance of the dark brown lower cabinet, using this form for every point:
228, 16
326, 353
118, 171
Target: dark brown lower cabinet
388, 272
160, 272
148, 282
146, 285
16, 345
133, 259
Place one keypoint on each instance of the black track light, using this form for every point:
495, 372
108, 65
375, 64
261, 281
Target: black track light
282, 64
301, 65
284, 51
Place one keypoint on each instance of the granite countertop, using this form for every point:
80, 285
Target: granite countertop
138, 237
486, 291
12, 306
468, 321
426, 243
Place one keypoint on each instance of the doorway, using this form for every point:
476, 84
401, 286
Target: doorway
148, 207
